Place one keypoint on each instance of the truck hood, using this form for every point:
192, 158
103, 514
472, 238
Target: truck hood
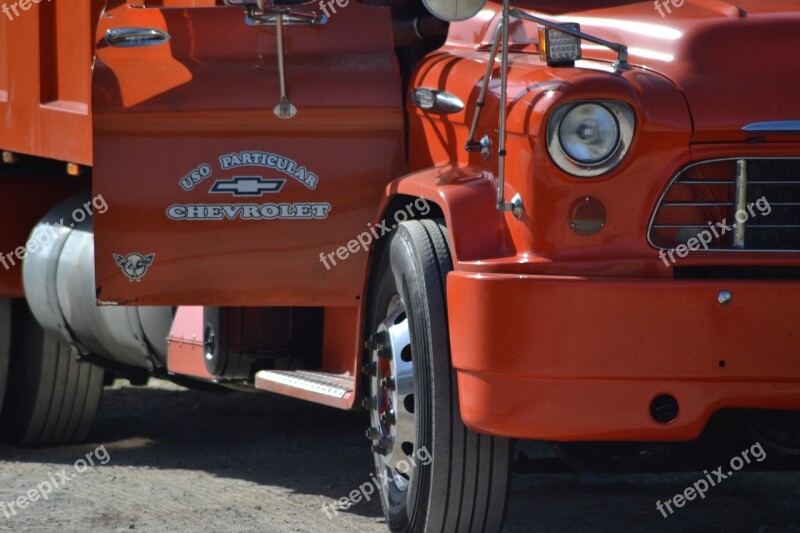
736, 64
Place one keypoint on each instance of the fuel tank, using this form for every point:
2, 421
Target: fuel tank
58, 275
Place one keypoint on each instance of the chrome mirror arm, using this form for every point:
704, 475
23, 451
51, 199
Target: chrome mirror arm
472, 144
500, 35
285, 109
515, 205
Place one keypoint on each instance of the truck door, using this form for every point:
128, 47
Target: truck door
214, 198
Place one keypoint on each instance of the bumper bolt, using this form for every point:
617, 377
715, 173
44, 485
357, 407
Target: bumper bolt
724, 297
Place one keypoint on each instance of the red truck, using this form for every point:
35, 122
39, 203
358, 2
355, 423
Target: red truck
574, 221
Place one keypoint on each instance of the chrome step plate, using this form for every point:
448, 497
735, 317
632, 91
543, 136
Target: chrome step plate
320, 387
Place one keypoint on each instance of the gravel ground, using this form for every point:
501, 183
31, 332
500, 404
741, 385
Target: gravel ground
181, 460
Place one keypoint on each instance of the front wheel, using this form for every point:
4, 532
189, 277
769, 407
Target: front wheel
434, 474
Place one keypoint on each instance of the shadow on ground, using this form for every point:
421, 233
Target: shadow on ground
321, 452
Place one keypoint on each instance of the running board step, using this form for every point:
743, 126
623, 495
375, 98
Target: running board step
335, 390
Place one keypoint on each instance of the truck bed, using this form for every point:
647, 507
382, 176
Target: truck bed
45, 77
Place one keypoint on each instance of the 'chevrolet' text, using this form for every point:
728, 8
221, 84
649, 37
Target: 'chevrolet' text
249, 211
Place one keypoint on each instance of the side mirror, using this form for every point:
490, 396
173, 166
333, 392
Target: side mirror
454, 10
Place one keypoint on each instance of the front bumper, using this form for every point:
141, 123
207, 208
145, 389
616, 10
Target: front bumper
568, 359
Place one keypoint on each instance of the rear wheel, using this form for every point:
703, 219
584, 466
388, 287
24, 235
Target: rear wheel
51, 398
434, 474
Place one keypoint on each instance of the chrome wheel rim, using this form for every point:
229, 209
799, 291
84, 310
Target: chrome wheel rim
393, 428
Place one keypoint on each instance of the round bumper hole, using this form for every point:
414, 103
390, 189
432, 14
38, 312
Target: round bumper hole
664, 409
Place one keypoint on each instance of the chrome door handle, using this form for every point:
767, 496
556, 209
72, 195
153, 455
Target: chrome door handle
130, 37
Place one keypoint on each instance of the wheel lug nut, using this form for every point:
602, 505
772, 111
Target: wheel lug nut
376, 448
370, 369
371, 344
385, 353
369, 403
373, 433
377, 341
388, 418
383, 446
389, 383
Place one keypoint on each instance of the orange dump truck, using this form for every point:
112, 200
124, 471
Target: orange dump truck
575, 221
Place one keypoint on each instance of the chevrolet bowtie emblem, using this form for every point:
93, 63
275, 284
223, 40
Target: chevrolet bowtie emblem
248, 186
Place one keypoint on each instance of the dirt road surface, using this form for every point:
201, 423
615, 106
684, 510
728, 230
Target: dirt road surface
181, 460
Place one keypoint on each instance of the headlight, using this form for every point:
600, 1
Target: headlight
590, 138
589, 133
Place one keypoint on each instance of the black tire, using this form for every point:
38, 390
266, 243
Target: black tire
52, 398
465, 486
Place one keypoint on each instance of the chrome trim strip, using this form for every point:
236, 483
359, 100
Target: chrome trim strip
705, 182
135, 37
680, 173
774, 126
740, 201
775, 226
697, 204
678, 226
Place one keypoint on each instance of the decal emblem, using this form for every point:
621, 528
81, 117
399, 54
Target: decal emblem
247, 186
271, 161
134, 265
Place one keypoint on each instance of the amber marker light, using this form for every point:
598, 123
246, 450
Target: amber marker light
557, 47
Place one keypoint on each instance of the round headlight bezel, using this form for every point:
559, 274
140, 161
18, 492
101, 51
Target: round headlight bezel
625, 119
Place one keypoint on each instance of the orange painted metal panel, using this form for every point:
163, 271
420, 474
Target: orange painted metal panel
161, 112
605, 410
45, 80
585, 337
341, 341
185, 344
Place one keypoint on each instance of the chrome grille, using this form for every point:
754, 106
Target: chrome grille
767, 190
